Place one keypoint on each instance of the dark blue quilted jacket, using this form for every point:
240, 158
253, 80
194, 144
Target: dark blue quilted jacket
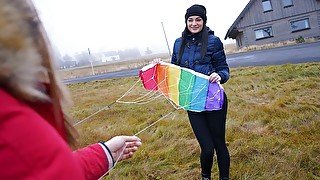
214, 60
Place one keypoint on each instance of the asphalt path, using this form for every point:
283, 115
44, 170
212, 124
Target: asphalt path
300, 53
283, 55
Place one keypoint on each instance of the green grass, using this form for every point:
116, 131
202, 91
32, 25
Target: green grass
272, 126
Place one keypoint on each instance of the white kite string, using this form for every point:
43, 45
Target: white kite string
144, 129
148, 97
136, 134
154, 123
107, 106
85, 119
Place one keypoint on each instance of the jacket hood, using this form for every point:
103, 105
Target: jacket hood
26, 63
210, 31
20, 61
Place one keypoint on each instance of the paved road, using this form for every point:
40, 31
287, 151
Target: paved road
118, 74
291, 54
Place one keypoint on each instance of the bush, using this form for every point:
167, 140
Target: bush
300, 39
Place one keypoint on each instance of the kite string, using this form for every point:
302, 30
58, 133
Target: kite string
138, 100
105, 107
136, 134
108, 106
85, 119
185, 91
142, 98
148, 97
129, 90
144, 129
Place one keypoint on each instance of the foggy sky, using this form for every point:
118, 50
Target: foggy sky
104, 25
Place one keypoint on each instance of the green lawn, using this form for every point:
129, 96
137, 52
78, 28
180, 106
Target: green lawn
273, 126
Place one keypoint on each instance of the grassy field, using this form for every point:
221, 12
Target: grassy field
272, 126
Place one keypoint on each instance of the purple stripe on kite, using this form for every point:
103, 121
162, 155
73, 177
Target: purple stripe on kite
215, 97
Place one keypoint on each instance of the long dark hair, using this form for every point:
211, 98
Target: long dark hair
202, 39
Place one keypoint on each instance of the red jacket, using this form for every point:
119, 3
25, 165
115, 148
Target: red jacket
31, 148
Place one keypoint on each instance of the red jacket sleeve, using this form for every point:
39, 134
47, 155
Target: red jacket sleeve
30, 148
93, 161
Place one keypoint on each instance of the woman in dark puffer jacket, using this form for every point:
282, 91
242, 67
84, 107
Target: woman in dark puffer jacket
198, 49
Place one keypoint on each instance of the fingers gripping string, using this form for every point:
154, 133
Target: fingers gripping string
122, 152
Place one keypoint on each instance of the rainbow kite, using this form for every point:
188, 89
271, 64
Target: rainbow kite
186, 88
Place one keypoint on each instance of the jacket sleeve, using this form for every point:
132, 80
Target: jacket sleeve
94, 160
174, 57
30, 148
219, 60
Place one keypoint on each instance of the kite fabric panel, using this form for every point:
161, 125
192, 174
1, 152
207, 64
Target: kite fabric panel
186, 88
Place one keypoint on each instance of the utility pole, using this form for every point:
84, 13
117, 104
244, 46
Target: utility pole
165, 36
91, 59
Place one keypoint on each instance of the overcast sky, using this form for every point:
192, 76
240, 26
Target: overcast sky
104, 25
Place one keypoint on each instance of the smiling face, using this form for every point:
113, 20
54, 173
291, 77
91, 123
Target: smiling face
194, 24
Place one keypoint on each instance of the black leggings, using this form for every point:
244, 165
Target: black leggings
209, 128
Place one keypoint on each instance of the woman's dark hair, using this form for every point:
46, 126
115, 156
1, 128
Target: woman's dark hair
202, 36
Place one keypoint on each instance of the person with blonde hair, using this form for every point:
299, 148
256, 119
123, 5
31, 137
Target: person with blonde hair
35, 128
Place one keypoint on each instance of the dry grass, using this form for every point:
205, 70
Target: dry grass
272, 126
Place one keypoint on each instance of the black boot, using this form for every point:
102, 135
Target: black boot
224, 178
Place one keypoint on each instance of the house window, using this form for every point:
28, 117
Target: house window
263, 33
300, 25
287, 3
266, 4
